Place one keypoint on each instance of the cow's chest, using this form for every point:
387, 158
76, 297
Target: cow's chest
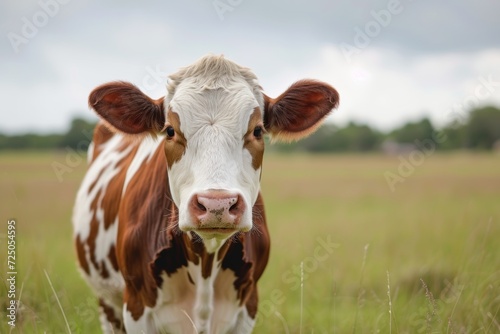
189, 303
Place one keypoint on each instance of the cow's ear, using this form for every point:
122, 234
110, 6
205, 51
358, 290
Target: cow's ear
128, 109
298, 112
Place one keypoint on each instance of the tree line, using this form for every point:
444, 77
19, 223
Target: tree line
78, 137
479, 131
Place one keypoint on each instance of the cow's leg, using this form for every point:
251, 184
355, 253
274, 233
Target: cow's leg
111, 318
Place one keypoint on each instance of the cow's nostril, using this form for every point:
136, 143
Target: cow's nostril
237, 206
234, 207
201, 207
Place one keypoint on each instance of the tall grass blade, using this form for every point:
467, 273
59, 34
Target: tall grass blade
361, 291
283, 321
301, 294
58, 302
390, 301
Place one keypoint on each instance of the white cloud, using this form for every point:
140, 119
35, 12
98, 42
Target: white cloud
385, 89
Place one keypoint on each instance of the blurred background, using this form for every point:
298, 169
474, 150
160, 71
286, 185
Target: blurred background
404, 177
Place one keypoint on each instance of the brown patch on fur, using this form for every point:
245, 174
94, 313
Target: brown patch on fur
112, 197
111, 316
255, 145
252, 303
80, 251
193, 248
175, 146
101, 135
143, 231
258, 239
112, 257
207, 264
223, 250
298, 112
95, 181
104, 271
94, 228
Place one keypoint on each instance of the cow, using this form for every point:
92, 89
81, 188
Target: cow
169, 222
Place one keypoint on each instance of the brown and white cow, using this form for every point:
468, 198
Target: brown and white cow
169, 222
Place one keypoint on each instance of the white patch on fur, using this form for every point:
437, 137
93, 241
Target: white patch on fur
244, 324
102, 170
90, 153
141, 325
105, 239
146, 149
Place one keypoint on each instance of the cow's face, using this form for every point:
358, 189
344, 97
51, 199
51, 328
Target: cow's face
214, 146
212, 122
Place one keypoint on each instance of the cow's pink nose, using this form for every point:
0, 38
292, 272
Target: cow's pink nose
217, 209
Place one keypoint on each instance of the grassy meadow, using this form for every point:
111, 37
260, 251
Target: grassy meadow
349, 255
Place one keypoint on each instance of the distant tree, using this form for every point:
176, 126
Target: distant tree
321, 140
29, 141
455, 137
483, 128
413, 131
353, 137
3, 141
330, 138
79, 135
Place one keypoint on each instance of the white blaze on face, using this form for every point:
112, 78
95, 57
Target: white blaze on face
214, 123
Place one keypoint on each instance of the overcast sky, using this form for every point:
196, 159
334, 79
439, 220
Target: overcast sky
391, 61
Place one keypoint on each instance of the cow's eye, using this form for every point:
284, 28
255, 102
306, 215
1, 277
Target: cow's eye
257, 132
170, 131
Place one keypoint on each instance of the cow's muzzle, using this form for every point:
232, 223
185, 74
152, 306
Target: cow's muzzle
216, 211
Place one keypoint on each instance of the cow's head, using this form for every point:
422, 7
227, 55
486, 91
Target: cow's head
212, 122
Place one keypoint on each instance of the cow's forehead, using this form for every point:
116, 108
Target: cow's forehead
229, 106
214, 90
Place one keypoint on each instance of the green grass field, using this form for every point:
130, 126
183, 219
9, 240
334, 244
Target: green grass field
424, 258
